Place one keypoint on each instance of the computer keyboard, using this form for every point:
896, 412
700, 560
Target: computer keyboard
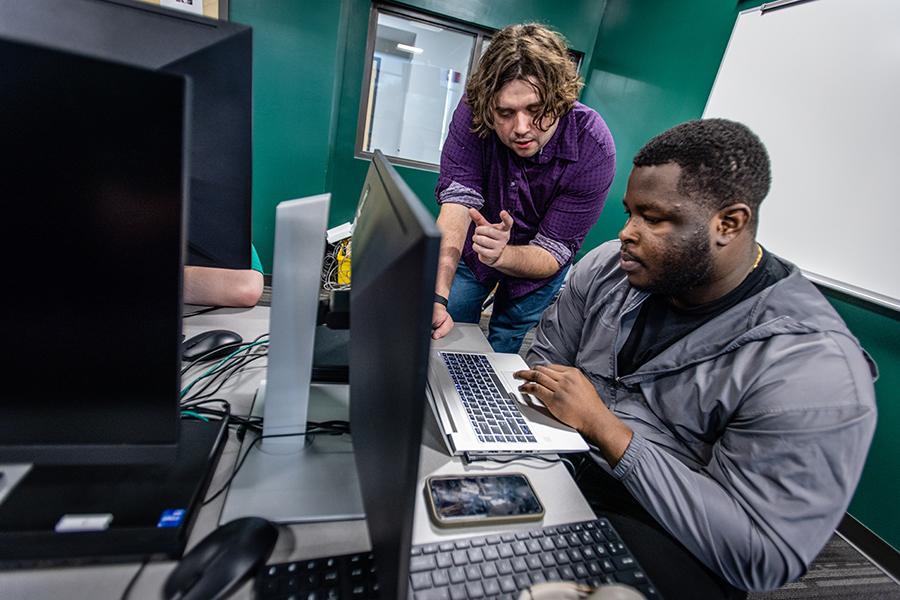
351, 576
492, 413
496, 566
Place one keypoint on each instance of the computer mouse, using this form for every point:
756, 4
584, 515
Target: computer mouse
222, 561
203, 345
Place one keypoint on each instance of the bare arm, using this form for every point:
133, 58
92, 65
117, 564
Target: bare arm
529, 261
453, 222
222, 287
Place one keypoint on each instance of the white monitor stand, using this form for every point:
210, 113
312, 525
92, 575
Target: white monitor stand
291, 479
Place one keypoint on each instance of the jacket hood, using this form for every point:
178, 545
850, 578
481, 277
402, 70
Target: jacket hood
791, 306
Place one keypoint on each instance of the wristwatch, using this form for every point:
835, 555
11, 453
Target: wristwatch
440, 299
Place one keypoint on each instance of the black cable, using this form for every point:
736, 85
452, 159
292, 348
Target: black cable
199, 359
235, 367
336, 425
201, 311
488, 458
133, 580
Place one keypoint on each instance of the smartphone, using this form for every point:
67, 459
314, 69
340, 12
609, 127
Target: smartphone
481, 499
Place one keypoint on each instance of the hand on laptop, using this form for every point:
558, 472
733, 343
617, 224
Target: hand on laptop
571, 398
441, 321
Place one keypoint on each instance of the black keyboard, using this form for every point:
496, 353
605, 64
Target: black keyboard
335, 578
494, 415
497, 566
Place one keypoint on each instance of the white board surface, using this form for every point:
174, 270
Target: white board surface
819, 82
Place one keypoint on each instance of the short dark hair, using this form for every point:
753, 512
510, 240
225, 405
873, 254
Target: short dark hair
531, 52
722, 162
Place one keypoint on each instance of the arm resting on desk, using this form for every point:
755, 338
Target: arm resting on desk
222, 287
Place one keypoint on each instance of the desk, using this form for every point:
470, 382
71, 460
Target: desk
556, 489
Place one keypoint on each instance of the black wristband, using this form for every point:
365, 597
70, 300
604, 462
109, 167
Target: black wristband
441, 299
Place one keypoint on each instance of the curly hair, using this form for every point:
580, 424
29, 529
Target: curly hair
530, 52
722, 162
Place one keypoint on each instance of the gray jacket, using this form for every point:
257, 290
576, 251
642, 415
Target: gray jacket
750, 433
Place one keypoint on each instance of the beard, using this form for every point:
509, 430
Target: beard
686, 266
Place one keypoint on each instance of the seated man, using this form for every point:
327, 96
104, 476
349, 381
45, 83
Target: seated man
729, 406
224, 287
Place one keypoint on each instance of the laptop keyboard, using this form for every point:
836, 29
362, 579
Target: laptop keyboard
494, 415
496, 566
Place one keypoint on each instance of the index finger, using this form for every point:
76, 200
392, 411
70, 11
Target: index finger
477, 217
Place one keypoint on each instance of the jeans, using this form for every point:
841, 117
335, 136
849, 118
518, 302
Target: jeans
511, 319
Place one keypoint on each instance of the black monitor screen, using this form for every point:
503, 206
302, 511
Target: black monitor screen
395, 251
93, 177
216, 56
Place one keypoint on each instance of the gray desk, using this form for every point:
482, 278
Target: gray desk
561, 498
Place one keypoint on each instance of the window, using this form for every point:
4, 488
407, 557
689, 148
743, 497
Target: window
416, 74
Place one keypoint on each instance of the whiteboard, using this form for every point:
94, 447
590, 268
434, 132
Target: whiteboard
819, 82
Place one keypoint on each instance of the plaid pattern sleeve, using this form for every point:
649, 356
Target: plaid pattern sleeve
461, 179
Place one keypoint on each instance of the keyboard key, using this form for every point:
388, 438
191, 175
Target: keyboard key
420, 581
473, 573
475, 555
623, 563
474, 589
491, 587
457, 574
422, 563
504, 567
433, 594
507, 585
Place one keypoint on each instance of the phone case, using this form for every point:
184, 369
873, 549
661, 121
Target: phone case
487, 520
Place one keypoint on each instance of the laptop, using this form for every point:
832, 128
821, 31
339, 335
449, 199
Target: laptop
479, 409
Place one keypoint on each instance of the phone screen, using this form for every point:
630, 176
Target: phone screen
491, 496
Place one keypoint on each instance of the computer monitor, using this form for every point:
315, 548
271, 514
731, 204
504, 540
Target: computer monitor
93, 163
395, 253
395, 257
215, 55
94, 171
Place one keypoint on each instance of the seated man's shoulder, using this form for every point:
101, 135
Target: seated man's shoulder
600, 264
809, 349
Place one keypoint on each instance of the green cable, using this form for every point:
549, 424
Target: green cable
212, 370
190, 413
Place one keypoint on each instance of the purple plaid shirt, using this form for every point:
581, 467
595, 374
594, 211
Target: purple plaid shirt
554, 197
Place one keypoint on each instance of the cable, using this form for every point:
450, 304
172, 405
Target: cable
200, 311
133, 580
199, 359
235, 369
221, 364
488, 458
326, 427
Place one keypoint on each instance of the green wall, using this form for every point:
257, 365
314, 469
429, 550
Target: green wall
652, 69
648, 65
296, 54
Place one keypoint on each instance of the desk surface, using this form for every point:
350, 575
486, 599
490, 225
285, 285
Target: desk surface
562, 500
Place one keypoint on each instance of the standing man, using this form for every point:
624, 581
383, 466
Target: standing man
729, 406
525, 171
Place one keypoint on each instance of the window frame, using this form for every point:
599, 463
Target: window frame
362, 121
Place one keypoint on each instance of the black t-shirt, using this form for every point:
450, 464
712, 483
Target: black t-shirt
660, 324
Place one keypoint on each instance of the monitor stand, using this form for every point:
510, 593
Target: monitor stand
293, 482
292, 479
